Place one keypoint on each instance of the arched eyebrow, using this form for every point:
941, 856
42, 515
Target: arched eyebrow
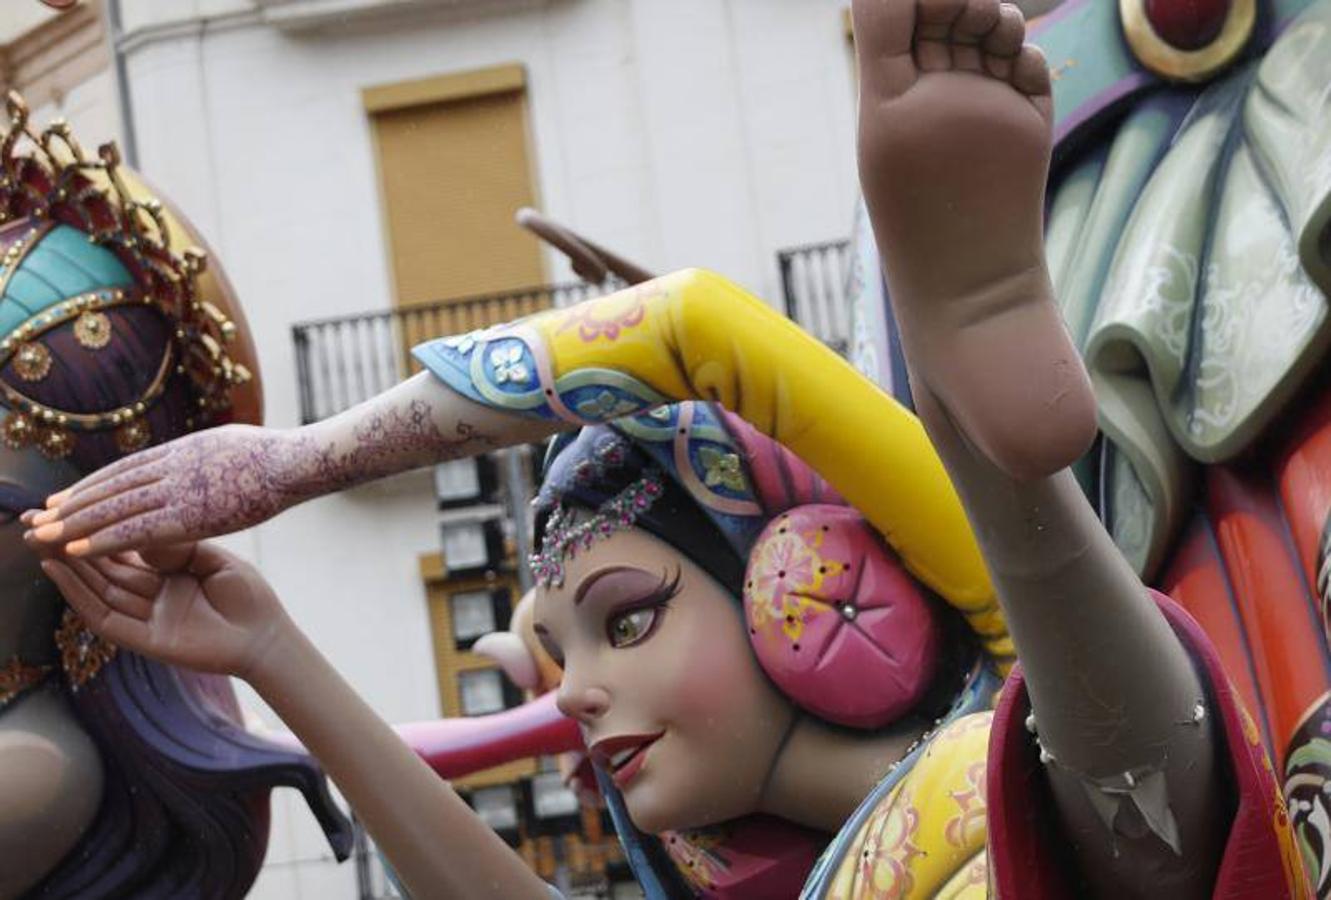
590, 581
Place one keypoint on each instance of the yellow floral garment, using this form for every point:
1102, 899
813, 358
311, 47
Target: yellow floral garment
927, 837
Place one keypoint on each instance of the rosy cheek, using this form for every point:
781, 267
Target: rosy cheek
713, 680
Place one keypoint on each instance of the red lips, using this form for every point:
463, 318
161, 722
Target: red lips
623, 756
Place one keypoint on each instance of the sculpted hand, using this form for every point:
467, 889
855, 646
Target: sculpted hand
190, 605
206, 484
230, 478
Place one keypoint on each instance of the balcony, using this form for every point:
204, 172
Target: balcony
814, 280
343, 361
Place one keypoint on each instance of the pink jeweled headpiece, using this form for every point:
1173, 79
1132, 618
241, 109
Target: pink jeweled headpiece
565, 535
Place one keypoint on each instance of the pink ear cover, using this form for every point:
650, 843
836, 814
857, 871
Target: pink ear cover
836, 621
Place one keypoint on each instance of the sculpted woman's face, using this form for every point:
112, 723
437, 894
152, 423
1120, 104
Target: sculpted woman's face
658, 671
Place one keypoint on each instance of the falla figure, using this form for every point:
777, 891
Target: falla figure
119, 776
782, 605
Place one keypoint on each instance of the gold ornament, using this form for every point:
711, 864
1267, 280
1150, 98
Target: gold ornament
55, 443
47, 177
18, 431
32, 362
134, 436
16, 677
1168, 61
93, 330
82, 653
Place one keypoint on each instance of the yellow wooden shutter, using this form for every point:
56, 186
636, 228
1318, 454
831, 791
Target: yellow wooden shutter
454, 167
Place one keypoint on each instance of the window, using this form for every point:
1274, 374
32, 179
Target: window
497, 807
550, 798
458, 479
454, 148
473, 615
464, 545
481, 691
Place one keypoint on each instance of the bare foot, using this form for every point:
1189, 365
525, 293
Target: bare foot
954, 142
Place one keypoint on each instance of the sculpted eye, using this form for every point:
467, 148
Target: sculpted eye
632, 627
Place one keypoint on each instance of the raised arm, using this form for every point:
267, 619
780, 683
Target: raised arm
954, 144
201, 608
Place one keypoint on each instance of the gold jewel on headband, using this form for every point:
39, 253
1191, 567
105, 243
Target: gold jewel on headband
134, 436
93, 330
54, 181
565, 536
32, 362
17, 677
82, 653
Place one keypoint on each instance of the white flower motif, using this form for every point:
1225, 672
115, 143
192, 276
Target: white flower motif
462, 343
508, 365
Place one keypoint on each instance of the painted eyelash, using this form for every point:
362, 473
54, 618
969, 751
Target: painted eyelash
658, 601
660, 596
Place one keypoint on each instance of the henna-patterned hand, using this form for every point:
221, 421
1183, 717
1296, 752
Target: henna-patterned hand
204, 484
227, 479
191, 605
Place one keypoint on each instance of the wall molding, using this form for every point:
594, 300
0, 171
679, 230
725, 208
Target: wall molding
304, 14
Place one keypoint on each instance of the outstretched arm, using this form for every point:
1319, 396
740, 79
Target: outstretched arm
199, 607
227, 479
954, 142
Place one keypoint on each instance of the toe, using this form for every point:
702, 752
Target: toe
883, 28
1008, 33
934, 18
976, 20
1030, 73
884, 34
933, 56
999, 67
967, 58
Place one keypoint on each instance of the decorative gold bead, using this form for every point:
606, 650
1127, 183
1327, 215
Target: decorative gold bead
17, 677
32, 362
93, 330
82, 654
17, 431
55, 443
134, 436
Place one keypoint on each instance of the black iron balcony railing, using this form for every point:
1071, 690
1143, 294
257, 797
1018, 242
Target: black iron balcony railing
342, 361
813, 282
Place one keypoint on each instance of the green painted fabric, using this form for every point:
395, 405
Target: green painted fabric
1211, 310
